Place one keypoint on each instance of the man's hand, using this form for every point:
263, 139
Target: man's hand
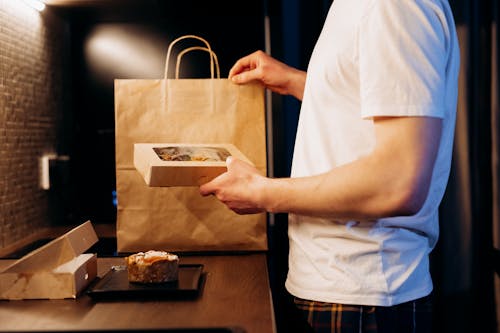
271, 73
238, 188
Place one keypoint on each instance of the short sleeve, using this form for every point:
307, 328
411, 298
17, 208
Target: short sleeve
402, 59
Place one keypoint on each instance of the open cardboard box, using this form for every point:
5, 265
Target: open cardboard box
56, 270
174, 164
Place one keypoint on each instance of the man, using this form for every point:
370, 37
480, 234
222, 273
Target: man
371, 163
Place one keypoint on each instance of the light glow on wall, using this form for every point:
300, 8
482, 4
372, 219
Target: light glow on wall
28, 23
35, 4
125, 51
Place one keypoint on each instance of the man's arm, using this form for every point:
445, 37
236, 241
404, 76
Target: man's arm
392, 180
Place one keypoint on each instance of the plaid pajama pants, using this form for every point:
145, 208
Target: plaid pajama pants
410, 317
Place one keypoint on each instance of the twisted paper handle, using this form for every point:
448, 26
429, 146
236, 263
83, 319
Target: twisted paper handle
200, 48
169, 51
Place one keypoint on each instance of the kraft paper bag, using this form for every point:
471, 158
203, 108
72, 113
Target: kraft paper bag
205, 110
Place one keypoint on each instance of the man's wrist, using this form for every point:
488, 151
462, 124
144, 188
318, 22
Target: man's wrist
270, 196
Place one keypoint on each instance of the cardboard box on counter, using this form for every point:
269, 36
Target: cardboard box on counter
174, 164
56, 270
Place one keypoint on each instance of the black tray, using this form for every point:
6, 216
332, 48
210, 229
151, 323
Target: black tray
115, 285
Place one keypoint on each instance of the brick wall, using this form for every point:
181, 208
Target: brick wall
32, 61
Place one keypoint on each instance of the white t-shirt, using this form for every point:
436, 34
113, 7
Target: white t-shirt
373, 58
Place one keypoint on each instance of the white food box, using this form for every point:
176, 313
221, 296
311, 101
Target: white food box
186, 164
56, 270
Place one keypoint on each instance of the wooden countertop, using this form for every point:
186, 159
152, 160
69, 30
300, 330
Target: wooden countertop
235, 293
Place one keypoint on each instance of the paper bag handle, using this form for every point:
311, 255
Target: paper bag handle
200, 48
169, 51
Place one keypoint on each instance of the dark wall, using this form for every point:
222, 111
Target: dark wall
127, 40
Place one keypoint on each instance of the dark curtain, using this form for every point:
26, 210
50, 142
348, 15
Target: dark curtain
465, 262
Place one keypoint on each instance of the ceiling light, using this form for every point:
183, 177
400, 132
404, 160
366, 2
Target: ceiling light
36, 4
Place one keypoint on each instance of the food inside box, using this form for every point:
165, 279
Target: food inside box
171, 164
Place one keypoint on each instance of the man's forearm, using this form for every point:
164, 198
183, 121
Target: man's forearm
393, 180
354, 191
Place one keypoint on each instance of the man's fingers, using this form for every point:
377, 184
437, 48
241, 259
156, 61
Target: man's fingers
240, 66
206, 189
210, 187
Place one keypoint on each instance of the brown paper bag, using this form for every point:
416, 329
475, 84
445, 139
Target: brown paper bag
207, 110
